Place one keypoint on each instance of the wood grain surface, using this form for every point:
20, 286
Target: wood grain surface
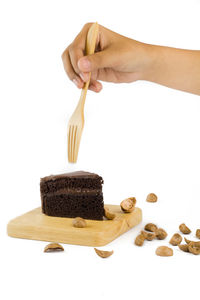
35, 225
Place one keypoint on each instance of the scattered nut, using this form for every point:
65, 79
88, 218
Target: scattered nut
194, 248
103, 254
164, 251
109, 215
194, 242
139, 241
79, 223
149, 236
152, 197
176, 239
184, 247
161, 234
128, 204
150, 227
53, 247
198, 233
187, 241
184, 229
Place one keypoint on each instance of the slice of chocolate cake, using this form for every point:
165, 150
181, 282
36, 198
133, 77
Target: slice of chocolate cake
77, 194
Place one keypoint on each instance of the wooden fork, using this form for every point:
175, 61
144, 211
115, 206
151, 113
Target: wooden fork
76, 122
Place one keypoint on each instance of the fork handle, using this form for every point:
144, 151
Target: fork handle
89, 49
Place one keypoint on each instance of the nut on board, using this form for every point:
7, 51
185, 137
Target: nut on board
79, 222
128, 204
108, 214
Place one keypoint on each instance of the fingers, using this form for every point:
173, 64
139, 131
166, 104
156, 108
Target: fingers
98, 60
95, 86
75, 53
70, 70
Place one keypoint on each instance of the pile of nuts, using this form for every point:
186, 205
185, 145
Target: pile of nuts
152, 232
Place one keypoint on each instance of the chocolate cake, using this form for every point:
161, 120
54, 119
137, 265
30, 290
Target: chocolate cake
77, 194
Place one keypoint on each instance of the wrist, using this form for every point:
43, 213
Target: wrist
148, 56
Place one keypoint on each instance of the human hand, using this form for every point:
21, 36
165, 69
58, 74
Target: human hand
116, 59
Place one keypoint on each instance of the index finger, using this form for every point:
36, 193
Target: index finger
77, 49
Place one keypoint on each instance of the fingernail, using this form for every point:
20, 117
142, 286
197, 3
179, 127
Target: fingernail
75, 81
82, 76
93, 88
98, 85
85, 63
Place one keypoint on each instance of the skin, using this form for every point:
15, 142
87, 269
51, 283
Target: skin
120, 59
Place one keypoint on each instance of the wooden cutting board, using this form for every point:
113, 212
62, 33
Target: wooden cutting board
35, 225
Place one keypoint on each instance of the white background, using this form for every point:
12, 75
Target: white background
140, 137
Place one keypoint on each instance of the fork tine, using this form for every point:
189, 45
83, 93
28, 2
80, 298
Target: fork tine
69, 137
74, 135
70, 142
78, 137
74, 144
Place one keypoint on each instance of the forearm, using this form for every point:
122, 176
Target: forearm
175, 68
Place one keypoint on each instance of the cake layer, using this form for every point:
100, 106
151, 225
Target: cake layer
87, 205
80, 180
75, 191
72, 193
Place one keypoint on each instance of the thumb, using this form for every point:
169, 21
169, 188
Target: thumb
95, 61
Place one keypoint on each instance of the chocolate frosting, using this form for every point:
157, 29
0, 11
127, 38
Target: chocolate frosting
79, 174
